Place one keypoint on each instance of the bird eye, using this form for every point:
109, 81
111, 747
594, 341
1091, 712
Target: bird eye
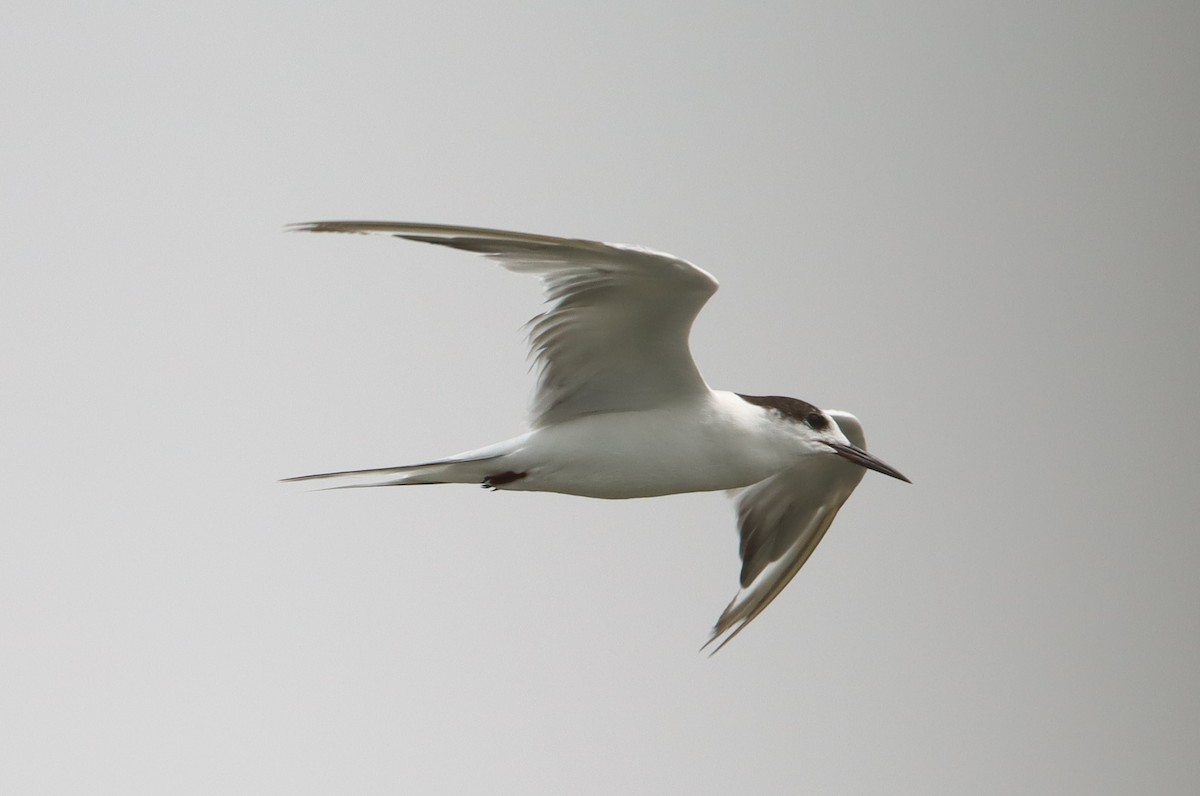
816, 421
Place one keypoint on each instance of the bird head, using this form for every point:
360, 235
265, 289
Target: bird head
837, 433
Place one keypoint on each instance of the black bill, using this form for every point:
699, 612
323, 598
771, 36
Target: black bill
853, 453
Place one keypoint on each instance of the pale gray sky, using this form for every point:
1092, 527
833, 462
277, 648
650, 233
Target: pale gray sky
973, 225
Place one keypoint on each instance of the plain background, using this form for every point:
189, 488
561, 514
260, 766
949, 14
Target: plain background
975, 225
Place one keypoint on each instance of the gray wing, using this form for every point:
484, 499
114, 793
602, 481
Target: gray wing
781, 520
615, 336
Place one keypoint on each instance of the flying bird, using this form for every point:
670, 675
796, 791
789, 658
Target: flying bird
621, 411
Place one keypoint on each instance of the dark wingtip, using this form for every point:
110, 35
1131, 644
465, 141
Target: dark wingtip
724, 641
317, 226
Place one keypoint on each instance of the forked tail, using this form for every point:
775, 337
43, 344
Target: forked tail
473, 467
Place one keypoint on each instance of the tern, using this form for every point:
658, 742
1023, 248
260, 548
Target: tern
620, 409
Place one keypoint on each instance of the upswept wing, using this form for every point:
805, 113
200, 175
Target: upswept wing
781, 520
615, 335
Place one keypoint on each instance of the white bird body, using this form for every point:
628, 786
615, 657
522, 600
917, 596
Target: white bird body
621, 410
716, 441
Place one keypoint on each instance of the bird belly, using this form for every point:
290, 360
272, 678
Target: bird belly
641, 454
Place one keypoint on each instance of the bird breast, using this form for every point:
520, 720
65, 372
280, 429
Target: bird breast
713, 444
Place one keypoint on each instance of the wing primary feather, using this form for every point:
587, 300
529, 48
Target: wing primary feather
781, 521
614, 335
